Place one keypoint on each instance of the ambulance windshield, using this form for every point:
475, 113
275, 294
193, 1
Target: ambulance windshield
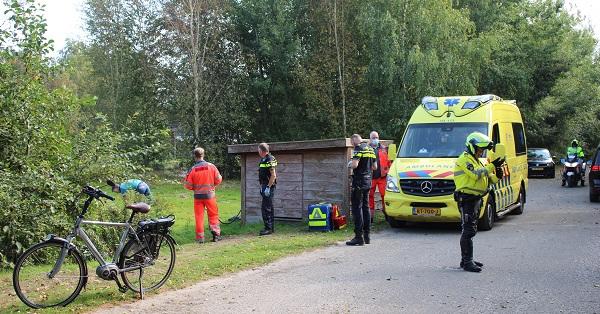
438, 140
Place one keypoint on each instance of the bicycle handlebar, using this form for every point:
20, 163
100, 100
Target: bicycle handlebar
102, 194
96, 193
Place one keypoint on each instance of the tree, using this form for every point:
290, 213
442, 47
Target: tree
126, 63
48, 147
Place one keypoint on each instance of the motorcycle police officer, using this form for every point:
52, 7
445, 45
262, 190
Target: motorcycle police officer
576, 150
472, 180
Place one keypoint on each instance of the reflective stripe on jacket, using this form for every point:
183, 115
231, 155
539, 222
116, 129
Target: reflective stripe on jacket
471, 176
202, 178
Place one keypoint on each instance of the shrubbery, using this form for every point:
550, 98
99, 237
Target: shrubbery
49, 148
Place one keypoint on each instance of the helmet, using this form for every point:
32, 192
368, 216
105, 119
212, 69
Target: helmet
574, 143
478, 140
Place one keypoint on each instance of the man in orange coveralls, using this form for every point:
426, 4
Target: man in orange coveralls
379, 180
202, 178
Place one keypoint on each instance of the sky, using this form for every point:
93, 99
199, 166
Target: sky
65, 18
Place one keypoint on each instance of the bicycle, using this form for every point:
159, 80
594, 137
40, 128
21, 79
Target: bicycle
53, 272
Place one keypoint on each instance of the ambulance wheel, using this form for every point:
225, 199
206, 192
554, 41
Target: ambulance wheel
395, 223
486, 222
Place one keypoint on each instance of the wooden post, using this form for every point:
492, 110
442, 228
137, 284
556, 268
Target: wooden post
243, 184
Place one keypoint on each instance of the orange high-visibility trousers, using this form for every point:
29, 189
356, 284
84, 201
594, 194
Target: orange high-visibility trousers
380, 184
213, 216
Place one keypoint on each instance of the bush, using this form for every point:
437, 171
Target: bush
49, 149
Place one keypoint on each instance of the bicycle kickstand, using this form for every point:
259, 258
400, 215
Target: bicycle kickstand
141, 288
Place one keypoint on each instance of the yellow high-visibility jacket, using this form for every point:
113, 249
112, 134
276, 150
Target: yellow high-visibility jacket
471, 176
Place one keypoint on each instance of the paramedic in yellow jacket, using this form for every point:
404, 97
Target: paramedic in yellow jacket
472, 180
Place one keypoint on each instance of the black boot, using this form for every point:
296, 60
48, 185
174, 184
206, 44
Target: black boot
470, 266
475, 262
216, 237
265, 232
367, 238
357, 240
563, 183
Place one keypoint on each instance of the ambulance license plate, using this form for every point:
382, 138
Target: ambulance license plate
423, 211
537, 169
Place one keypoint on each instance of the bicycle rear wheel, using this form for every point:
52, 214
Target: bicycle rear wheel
33, 285
157, 267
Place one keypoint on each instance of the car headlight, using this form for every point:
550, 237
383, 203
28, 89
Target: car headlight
392, 184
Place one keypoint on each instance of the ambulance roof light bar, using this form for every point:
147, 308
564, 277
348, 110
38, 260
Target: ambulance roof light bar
430, 103
476, 101
484, 98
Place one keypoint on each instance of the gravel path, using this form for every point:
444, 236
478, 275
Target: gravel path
546, 261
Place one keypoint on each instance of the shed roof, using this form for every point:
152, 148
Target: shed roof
295, 145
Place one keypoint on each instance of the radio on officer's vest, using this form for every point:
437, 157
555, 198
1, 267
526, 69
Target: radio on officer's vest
319, 217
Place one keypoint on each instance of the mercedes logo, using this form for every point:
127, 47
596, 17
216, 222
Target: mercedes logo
426, 187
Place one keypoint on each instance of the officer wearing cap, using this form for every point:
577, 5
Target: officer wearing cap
472, 180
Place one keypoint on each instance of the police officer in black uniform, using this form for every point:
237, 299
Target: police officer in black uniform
267, 177
363, 163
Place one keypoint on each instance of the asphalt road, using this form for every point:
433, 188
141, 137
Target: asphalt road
544, 261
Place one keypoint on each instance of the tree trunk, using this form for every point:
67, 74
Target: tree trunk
339, 63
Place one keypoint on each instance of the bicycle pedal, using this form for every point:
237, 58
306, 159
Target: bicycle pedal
122, 288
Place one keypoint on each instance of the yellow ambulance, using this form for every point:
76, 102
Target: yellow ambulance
420, 186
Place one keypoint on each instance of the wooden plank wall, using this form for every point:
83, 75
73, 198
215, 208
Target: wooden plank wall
325, 177
303, 178
288, 193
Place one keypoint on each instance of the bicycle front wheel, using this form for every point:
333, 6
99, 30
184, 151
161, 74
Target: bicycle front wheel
31, 276
157, 263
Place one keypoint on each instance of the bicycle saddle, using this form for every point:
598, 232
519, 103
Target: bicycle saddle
140, 207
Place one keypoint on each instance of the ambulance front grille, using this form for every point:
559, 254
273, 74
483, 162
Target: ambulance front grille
426, 187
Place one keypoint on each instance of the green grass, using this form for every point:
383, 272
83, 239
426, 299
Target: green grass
241, 249
180, 203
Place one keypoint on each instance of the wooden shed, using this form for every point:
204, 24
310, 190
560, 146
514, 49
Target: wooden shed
308, 172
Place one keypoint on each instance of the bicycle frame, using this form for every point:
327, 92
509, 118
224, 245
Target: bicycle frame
78, 231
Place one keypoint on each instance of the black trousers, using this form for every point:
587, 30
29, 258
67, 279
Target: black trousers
266, 208
469, 211
360, 211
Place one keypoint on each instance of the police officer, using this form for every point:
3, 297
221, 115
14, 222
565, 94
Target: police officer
267, 177
472, 180
576, 150
363, 163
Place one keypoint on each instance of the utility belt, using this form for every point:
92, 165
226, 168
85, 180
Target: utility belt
358, 177
361, 181
460, 197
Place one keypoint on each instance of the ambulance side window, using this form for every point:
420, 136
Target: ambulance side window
519, 137
495, 134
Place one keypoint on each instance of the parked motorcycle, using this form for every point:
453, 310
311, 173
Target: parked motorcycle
573, 170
